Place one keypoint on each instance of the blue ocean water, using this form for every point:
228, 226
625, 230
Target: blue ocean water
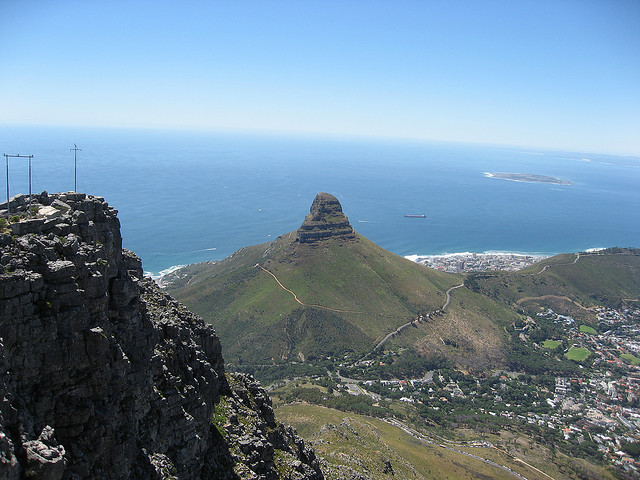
185, 197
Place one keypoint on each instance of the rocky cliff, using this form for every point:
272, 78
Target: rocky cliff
102, 375
325, 220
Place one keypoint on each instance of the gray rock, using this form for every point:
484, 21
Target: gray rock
44, 457
59, 271
33, 225
325, 220
9, 466
129, 378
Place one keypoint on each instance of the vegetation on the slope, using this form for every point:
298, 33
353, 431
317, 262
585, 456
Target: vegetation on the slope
350, 442
608, 278
350, 294
470, 333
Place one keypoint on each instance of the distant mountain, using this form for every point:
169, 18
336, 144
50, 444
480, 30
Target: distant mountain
324, 290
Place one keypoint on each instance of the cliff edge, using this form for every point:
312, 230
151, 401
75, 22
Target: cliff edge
102, 375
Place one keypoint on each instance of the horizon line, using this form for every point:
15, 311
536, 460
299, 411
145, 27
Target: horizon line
319, 134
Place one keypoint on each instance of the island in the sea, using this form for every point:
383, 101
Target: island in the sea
527, 177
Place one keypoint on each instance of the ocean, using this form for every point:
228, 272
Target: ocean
186, 197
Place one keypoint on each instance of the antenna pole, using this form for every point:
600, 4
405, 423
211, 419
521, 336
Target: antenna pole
6, 156
75, 151
30, 157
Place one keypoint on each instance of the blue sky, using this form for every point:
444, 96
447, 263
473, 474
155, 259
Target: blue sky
548, 73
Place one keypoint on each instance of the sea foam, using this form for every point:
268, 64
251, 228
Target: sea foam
164, 272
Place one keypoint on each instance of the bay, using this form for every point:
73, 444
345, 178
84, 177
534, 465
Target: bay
186, 197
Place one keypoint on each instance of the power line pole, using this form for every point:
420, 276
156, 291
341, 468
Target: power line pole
7, 156
75, 151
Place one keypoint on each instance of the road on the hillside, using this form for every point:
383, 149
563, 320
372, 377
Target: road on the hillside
416, 320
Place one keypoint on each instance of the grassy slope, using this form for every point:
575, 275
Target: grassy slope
471, 332
349, 441
363, 278
593, 280
375, 290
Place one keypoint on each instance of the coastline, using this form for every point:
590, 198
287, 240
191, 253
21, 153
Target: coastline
162, 273
450, 262
422, 259
473, 262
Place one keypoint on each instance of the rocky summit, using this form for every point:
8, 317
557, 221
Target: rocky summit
104, 376
325, 220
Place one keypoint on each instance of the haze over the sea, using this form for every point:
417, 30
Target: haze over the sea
185, 197
320, 90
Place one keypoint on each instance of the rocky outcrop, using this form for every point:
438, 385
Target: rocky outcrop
102, 375
325, 220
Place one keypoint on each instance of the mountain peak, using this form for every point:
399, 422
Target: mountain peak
325, 220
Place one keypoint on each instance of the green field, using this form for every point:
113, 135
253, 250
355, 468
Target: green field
587, 329
632, 359
577, 354
551, 344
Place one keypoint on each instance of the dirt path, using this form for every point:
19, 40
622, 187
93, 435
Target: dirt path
451, 447
558, 264
295, 297
390, 335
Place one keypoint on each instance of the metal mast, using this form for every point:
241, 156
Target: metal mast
75, 151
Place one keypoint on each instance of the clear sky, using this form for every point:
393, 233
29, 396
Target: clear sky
548, 73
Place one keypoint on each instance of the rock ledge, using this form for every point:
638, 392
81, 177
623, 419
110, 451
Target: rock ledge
325, 220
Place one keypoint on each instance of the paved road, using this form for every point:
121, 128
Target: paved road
417, 320
446, 304
558, 264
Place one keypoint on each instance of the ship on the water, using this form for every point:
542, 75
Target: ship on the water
416, 216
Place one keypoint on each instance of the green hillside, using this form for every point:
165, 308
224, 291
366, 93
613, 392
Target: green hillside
325, 290
352, 294
609, 278
367, 447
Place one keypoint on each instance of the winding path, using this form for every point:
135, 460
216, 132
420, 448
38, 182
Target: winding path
295, 297
558, 264
417, 320
549, 297
446, 304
